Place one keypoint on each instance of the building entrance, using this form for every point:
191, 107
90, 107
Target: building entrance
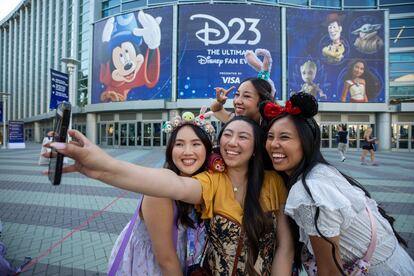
403, 137
355, 135
131, 134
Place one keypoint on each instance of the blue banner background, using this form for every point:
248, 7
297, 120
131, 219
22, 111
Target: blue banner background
59, 82
102, 55
307, 35
197, 80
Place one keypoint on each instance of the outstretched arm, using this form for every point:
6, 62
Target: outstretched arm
283, 258
93, 162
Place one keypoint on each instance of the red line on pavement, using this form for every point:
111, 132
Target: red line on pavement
37, 259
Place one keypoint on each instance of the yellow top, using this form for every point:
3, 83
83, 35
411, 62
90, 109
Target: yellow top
218, 195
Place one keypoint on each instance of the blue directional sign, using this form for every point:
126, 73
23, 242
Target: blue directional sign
60, 88
16, 132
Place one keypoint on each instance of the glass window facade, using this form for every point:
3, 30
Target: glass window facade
294, 2
400, 8
359, 3
326, 3
402, 32
130, 5
394, 2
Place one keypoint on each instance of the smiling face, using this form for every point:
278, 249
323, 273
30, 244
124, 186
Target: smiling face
189, 152
334, 30
358, 70
237, 144
284, 146
126, 62
246, 101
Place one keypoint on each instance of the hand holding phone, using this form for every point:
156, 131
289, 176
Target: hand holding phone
60, 131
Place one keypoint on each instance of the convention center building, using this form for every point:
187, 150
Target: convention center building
127, 66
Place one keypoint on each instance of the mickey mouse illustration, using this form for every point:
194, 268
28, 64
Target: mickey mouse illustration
127, 67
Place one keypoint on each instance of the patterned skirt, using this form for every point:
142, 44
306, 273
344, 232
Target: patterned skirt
222, 242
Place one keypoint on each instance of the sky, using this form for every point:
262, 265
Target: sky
7, 6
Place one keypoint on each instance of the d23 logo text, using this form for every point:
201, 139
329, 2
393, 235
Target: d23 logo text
214, 36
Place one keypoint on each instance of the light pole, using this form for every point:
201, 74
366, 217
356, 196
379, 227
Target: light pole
71, 63
4, 97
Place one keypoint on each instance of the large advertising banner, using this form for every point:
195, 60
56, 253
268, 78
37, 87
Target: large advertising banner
132, 56
213, 40
338, 56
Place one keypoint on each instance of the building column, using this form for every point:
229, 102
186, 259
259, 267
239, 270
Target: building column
64, 34
25, 62
43, 65
37, 77
31, 61
20, 84
36, 132
91, 127
15, 91
50, 42
383, 125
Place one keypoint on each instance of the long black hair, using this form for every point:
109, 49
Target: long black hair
310, 138
372, 83
255, 222
183, 208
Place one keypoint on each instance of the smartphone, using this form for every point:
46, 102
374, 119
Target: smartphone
60, 133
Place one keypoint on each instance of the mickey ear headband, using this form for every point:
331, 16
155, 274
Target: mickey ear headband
300, 104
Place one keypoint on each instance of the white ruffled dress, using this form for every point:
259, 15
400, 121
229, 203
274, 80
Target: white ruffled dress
342, 212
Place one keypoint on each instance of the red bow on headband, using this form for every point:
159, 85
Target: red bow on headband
272, 110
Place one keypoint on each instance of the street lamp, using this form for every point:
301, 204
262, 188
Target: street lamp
71, 63
4, 96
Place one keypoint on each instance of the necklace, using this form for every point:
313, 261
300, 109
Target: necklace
235, 189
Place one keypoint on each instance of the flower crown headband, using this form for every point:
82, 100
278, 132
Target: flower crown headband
189, 118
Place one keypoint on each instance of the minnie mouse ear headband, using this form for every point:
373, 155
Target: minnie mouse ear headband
189, 118
301, 103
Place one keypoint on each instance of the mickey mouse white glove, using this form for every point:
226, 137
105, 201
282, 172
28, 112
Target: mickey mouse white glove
150, 32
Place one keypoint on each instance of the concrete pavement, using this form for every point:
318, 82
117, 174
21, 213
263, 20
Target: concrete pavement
71, 228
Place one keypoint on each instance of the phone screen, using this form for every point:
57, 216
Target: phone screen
60, 129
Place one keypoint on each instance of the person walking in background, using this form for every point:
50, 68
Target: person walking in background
368, 146
342, 138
